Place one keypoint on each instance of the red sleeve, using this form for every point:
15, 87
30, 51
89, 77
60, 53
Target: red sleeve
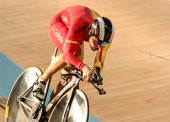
69, 51
75, 37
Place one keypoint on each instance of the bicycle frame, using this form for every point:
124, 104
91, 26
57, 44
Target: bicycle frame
71, 91
71, 85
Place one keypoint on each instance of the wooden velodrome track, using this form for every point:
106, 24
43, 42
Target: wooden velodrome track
137, 68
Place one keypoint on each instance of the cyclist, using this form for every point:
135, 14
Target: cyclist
69, 29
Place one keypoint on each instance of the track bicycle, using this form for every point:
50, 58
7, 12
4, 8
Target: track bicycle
69, 105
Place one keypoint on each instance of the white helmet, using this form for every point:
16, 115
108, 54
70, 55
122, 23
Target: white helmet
102, 28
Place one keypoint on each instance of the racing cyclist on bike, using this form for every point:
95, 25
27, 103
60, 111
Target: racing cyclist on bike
69, 29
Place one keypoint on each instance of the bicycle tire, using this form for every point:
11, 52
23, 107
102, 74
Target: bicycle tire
78, 110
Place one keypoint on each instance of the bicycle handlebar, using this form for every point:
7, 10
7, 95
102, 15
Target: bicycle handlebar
97, 80
94, 81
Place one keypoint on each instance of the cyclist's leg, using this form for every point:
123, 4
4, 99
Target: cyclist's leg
61, 84
57, 32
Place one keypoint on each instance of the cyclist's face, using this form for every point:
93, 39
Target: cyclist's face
93, 41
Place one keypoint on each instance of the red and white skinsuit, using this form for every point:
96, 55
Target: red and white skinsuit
67, 30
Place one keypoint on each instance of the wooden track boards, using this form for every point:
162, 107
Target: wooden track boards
137, 67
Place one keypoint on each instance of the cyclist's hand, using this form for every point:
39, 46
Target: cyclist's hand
86, 73
96, 76
96, 71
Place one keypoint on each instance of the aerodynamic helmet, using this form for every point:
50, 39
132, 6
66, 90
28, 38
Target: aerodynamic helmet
102, 28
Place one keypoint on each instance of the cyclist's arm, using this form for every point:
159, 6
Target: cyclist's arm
69, 53
101, 55
74, 40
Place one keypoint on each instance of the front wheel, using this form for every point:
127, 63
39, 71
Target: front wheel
78, 111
